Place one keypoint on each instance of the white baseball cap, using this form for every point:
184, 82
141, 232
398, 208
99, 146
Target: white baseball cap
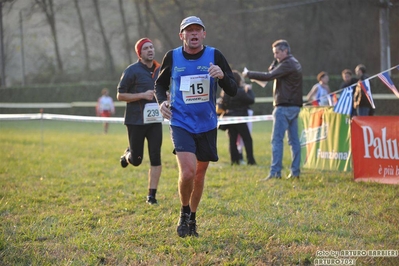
190, 21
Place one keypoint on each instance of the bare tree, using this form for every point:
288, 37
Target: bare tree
245, 30
107, 48
47, 7
144, 26
158, 24
323, 34
84, 38
179, 7
125, 31
2, 54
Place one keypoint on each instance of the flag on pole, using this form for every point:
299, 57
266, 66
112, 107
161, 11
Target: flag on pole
345, 102
384, 77
365, 85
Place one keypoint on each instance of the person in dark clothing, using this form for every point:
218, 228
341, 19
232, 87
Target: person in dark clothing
286, 72
347, 80
361, 101
238, 106
142, 117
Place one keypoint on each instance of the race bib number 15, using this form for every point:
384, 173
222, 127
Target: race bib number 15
195, 88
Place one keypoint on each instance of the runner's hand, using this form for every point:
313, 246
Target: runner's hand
165, 110
215, 71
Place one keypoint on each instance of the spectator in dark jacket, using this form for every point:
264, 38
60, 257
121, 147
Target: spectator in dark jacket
238, 106
361, 102
286, 72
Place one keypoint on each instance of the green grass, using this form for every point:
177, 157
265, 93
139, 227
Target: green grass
65, 200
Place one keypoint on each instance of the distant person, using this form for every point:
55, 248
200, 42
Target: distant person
348, 80
192, 73
320, 94
240, 141
361, 102
142, 117
238, 105
286, 72
105, 107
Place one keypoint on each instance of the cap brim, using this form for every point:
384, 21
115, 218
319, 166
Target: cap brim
192, 23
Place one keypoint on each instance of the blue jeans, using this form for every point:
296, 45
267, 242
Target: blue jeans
285, 119
363, 111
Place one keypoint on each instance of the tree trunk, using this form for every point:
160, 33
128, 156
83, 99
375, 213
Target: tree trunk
143, 25
47, 7
180, 8
125, 32
84, 38
247, 41
165, 33
3, 64
107, 48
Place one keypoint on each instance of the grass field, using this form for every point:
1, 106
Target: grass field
65, 200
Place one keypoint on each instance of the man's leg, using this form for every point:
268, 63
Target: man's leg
280, 125
154, 174
154, 139
293, 141
248, 143
196, 195
187, 170
234, 154
198, 188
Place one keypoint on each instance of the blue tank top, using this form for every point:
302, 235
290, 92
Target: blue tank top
193, 92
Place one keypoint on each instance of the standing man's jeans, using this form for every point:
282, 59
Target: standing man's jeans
363, 111
285, 119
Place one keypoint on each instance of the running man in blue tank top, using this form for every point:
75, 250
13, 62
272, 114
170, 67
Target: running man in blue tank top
191, 73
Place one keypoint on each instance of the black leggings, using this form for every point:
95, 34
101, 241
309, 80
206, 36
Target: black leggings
137, 134
233, 131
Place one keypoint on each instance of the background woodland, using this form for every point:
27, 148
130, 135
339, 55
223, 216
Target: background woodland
58, 41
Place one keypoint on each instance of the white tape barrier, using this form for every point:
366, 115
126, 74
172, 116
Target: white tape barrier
95, 119
379, 96
244, 119
55, 105
36, 105
75, 118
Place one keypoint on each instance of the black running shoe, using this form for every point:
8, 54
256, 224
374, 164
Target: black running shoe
192, 228
182, 226
124, 162
151, 200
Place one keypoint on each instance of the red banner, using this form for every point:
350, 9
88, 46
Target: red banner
375, 148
